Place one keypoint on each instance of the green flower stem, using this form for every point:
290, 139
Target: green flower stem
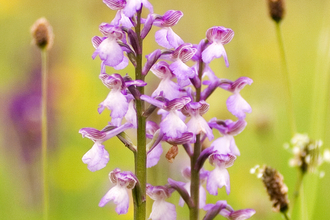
44, 133
289, 101
194, 187
140, 158
285, 215
297, 189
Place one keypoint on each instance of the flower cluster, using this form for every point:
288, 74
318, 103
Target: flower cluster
180, 101
307, 154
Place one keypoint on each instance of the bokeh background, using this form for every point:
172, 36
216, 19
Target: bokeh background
75, 92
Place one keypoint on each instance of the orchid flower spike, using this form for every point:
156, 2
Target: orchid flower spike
119, 193
217, 36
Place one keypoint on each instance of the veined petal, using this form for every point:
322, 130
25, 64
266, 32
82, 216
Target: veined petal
96, 41
219, 34
115, 4
96, 158
92, 133
169, 19
239, 214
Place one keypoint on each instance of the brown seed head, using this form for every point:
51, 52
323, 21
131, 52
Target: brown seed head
276, 9
276, 189
42, 34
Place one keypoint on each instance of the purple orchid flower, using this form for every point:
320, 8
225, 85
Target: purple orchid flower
217, 36
129, 7
219, 177
197, 124
183, 72
119, 193
235, 103
166, 37
120, 18
186, 173
169, 88
97, 157
161, 210
107, 47
229, 129
116, 101
171, 126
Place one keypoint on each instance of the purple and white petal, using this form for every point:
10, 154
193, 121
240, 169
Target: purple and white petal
131, 112
116, 102
119, 196
172, 126
238, 106
218, 178
239, 214
182, 72
217, 36
214, 51
162, 210
92, 133
154, 156
96, 158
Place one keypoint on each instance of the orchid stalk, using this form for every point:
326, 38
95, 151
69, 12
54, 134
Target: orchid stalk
43, 38
180, 101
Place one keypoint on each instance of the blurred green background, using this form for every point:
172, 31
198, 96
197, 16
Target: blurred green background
76, 91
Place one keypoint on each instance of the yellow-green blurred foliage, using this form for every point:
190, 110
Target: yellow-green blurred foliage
76, 92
